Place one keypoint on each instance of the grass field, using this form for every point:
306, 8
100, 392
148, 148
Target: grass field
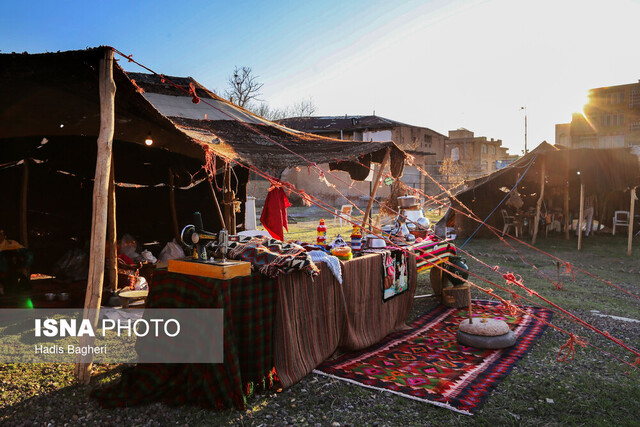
596, 388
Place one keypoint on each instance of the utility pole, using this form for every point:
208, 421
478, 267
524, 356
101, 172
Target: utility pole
525, 130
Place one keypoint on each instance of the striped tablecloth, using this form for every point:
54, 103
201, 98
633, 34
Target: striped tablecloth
249, 312
430, 253
316, 317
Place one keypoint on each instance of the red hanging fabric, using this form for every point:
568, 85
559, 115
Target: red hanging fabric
274, 214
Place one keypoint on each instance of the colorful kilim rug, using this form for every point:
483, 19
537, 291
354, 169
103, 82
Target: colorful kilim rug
426, 363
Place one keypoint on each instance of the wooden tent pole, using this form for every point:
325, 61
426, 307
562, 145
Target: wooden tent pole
215, 199
229, 211
580, 218
24, 234
93, 296
374, 190
112, 233
631, 213
536, 220
567, 217
172, 205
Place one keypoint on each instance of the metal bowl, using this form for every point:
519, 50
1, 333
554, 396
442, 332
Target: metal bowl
50, 296
63, 296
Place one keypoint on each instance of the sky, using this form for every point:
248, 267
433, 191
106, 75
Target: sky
438, 64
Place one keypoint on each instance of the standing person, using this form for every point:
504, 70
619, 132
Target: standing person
590, 203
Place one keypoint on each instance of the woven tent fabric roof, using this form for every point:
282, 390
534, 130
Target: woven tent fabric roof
323, 124
56, 94
601, 170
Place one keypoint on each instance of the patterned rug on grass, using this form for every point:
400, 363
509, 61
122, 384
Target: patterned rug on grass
426, 363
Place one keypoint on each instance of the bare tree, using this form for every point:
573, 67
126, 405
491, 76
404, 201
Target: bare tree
244, 87
303, 108
453, 172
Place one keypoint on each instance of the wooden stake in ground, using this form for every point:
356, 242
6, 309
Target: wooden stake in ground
631, 213
99, 218
374, 190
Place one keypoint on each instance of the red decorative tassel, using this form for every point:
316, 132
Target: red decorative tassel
567, 351
192, 91
138, 88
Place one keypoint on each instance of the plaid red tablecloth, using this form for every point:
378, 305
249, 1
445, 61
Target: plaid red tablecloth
249, 305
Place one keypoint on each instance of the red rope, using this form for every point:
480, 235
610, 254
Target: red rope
306, 197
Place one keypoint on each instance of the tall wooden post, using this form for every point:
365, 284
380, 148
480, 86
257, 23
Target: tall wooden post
112, 234
172, 205
536, 221
632, 209
229, 196
374, 190
93, 297
581, 217
24, 233
215, 201
567, 216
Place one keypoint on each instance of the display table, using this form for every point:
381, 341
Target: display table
317, 317
249, 311
294, 324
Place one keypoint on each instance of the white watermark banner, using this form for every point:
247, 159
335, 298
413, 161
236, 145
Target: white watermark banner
118, 335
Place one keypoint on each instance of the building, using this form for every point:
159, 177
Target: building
469, 156
610, 119
426, 145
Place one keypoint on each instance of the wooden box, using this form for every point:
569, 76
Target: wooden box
214, 269
456, 296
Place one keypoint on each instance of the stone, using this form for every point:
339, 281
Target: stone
486, 342
484, 326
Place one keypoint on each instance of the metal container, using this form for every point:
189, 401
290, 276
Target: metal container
457, 270
63, 296
375, 242
407, 201
50, 296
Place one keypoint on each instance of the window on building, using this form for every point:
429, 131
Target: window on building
484, 148
493, 149
427, 141
634, 98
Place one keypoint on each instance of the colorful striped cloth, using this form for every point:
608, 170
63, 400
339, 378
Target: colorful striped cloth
430, 253
317, 317
249, 312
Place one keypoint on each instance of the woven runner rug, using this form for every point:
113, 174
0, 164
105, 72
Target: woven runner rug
426, 363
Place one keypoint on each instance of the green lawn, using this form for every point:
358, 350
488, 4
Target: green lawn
596, 388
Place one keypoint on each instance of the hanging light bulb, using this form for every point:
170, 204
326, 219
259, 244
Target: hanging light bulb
148, 141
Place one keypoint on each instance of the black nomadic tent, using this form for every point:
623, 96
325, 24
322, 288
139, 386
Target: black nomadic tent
50, 118
607, 173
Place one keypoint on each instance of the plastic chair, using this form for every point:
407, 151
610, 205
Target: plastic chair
620, 219
509, 221
344, 214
